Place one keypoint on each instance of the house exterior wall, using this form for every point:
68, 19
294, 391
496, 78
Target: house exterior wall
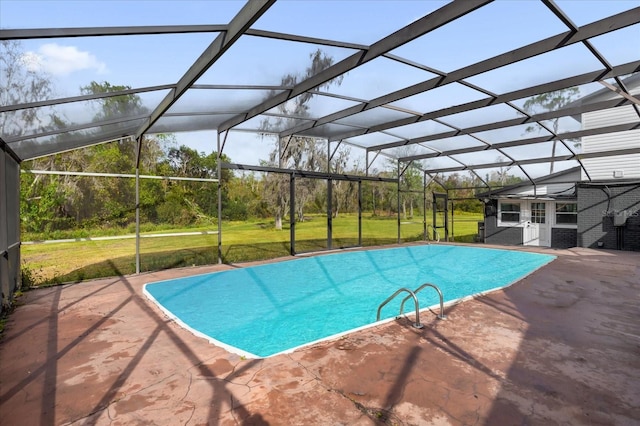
562, 184
564, 238
597, 206
497, 232
613, 167
499, 235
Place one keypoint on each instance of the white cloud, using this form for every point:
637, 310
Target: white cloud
62, 60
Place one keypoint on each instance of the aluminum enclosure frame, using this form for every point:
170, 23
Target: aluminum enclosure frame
26, 144
241, 25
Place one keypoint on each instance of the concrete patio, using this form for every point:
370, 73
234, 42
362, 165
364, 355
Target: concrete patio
560, 347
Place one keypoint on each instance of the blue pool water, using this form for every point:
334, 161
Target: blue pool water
262, 310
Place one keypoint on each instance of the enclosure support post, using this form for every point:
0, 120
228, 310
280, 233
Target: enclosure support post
441, 199
453, 237
329, 200
424, 206
7, 285
360, 213
366, 163
446, 217
219, 171
329, 213
138, 219
292, 213
398, 206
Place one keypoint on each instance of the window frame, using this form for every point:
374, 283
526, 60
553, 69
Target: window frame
511, 223
556, 224
542, 213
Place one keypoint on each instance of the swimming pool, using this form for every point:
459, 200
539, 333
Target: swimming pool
263, 310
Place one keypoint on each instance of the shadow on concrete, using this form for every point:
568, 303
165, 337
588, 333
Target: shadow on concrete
577, 361
569, 333
197, 256
48, 371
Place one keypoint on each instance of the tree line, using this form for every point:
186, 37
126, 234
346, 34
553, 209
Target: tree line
67, 202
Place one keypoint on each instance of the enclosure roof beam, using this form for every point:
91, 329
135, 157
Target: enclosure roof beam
93, 96
507, 123
621, 92
609, 153
90, 97
603, 26
124, 119
9, 151
305, 173
589, 77
249, 14
540, 139
77, 127
410, 32
304, 39
45, 33
36, 150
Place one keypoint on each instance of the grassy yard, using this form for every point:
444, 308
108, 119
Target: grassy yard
50, 263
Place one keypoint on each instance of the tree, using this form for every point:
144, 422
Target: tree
97, 200
551, 101
343, 191
197, 200
295, 152
22, 82
411, 179
114, 106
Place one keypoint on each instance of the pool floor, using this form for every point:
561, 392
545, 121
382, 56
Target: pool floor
263, 310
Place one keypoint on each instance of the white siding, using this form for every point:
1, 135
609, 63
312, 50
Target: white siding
560, 189
542, 190
603, 168
562, 184
566, 177
609, 117
528, 191
627, 166
611, 141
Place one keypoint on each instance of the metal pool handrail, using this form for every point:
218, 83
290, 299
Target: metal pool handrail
415, 300
414, 292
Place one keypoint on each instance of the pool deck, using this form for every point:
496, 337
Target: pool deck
561, 346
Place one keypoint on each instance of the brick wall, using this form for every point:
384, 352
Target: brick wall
597, 206
499, 235
564, 238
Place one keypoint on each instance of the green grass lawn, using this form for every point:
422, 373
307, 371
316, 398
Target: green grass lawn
52, 263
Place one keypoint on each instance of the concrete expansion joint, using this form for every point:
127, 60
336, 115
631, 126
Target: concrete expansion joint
188, 386
232, 410
229, 378
385, 416
304, 367
379, 415
193, 410
119, 398
96, 411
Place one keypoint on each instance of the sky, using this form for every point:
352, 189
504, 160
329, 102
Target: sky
143, 61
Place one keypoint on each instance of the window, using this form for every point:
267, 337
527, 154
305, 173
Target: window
538, 212
510, 212
566, 213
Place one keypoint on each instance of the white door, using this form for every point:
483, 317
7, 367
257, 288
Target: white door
537, 231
